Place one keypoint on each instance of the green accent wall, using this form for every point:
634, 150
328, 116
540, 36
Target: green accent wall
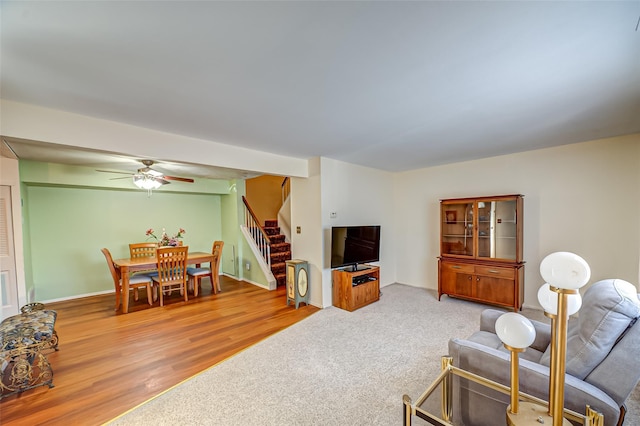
254, 274
236, 252
69, 226
35, 172
70, 213
26, 243
232, 219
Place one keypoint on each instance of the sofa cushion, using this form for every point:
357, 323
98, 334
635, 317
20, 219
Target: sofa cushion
608, 308
492, 340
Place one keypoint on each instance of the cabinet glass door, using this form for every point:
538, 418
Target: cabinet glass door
497, 229
457, 229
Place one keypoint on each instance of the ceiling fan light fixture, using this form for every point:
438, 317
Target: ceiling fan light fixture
147, 182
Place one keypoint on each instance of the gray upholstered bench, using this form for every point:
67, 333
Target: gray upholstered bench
25, 339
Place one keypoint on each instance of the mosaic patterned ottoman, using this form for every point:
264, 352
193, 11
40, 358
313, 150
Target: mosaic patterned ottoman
25, 339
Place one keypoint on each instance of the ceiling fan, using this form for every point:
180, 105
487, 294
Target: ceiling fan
148, 178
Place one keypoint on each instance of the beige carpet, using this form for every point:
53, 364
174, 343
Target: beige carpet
333, 368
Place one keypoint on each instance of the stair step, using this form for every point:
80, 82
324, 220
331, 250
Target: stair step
278, 268
280, 251
280, 257
280, 247
271, 223
275, 239
272, 230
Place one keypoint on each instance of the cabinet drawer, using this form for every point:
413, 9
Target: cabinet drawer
493, 271
458, 267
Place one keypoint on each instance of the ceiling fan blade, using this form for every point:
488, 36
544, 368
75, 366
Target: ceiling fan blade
150, 172
179, 179
123, 177
111, 171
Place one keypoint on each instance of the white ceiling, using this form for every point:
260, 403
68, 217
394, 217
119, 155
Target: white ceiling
389, 84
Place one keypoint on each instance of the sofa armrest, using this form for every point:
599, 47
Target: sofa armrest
487, 405
618, 374
488, 319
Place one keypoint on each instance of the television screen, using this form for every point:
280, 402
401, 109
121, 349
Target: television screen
351, 245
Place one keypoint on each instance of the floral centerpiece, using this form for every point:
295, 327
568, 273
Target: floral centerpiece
166, 240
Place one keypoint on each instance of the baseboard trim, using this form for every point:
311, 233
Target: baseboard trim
78, 296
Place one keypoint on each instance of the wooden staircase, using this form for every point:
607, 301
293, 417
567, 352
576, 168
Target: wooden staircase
280, 251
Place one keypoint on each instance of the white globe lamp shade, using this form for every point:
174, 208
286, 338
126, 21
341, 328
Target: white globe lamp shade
515, 330
146, 182
565, 270
549, 301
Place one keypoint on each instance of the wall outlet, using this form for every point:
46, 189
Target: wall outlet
248, 266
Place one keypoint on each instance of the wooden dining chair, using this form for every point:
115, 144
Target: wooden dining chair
138, 250
135, 282
197, 274
172, 271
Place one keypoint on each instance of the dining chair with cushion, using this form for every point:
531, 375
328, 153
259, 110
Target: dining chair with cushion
142, 249
196, 274
172, 271
135, 282
139, 250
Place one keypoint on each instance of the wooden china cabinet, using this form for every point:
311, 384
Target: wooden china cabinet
481, 250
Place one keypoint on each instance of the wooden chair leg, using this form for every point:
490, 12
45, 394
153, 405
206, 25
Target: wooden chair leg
118, 295
149, 294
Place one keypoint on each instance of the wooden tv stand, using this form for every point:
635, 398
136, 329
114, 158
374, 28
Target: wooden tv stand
354, 289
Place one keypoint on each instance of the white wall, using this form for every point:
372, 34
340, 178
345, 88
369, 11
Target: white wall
581, 198
307, 245
359, 196
54, 126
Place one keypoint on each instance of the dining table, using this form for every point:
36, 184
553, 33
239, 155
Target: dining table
128, 265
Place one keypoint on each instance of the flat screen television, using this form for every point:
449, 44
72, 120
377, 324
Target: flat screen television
351, 245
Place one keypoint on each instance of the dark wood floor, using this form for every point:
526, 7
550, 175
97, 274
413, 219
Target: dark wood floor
110, 362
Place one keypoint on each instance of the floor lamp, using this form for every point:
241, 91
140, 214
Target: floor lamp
565, 273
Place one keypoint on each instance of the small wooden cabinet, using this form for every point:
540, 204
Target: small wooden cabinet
481, 250
297, 279
355, 289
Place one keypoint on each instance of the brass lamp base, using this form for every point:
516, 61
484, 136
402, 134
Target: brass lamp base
530, 414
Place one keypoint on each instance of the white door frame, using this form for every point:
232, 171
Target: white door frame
9, 303
10, 176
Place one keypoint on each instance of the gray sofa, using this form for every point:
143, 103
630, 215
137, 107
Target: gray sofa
603, 359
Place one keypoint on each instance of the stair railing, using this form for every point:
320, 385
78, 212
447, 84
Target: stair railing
263, 243
285, 188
